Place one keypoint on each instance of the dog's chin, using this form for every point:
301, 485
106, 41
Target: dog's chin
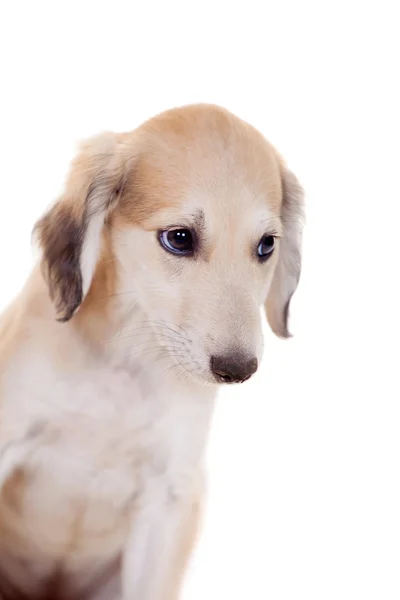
197, 374
200, 376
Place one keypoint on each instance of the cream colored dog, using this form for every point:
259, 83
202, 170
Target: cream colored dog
155, 263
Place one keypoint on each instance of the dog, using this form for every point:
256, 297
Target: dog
155, 263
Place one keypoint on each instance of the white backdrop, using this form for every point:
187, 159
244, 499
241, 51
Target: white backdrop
304, 494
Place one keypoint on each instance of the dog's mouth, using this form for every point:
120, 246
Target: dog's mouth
185, 348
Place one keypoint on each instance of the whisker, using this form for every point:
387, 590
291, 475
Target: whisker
160, 337
148, 328
168, 352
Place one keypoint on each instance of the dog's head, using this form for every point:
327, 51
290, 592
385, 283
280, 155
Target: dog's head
200, 222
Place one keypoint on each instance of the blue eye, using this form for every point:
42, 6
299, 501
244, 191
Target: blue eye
266, 247
177, 241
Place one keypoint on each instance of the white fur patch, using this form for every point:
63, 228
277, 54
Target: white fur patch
110, 443
90, 251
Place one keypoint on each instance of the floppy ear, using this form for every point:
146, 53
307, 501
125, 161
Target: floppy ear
69, 234
287, 272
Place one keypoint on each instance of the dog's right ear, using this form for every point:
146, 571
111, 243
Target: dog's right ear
69, 234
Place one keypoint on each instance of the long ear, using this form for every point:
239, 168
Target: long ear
69, 234
287, 273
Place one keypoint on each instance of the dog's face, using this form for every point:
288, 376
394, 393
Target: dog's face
204, 223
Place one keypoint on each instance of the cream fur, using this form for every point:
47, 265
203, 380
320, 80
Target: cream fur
104, 418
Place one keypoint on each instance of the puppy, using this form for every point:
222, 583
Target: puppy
155, 263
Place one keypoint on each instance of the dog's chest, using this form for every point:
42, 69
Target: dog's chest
106, 448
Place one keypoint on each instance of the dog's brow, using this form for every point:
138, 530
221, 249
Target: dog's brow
272, 224
199, 220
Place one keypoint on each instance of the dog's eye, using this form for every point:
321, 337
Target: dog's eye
177, 241
266, 247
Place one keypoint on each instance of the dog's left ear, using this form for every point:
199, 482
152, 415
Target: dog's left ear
69, 234
287, 272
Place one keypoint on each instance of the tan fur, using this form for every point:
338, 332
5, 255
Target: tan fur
104, 416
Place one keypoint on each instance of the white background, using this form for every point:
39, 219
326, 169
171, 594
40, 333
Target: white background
304, 495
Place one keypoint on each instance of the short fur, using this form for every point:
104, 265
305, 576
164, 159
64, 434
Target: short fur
104, 416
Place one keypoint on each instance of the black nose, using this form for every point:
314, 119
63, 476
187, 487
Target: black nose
233, 368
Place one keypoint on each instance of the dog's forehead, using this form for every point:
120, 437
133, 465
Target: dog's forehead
203, 159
